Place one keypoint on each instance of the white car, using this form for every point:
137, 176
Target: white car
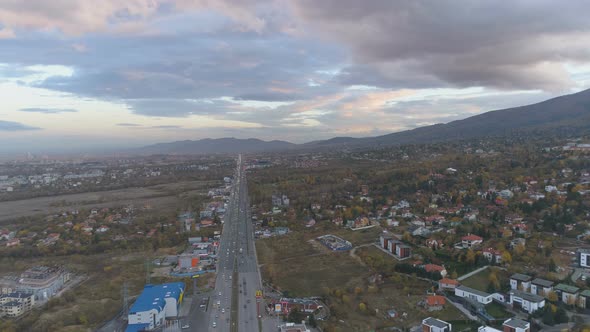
214, 324
185, 326
223, 310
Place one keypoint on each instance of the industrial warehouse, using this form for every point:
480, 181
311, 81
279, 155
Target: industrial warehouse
154, 306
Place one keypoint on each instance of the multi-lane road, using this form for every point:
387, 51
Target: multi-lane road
232, 306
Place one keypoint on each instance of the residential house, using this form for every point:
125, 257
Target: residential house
403, 251
584, 299
391, 313
419, 231
102, 229
492, 255
13, 242
566, 293
392, 244
430, 268
517, 242
361, 222
487, 329
206, 222
541, 287
473, 294
434, 244
516, 325
431, 324
447, 284
309, 222
338, 221
435, 302
16, 304
520, 282
384, 240
525, 301
583, 255
471, 240
521, 228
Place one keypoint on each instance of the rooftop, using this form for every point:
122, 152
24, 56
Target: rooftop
542, 282
566, 288
526, 296
521, 277
435, 300
517, 323
430, 321
471, 237
473, 291
153, 296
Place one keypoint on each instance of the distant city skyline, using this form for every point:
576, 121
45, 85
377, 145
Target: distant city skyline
76, 76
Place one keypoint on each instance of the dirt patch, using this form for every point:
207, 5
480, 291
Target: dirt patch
160, 196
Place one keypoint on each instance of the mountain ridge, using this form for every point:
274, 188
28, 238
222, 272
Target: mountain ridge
564, 113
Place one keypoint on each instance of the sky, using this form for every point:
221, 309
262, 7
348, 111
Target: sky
85, 75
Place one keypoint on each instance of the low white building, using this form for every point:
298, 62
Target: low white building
520, 282
526, 301
583, 255
541, 287
516, 325
431, 324
473, 294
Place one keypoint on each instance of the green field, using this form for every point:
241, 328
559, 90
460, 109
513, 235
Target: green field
480, 281
497, 310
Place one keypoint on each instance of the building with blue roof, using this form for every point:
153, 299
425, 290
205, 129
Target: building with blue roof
154, 305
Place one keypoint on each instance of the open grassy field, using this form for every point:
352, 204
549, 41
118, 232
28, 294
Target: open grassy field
294, 265
480, 281
497, 310
164, 196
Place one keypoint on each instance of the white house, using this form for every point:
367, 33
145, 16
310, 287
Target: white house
520, 282
431, 324
473, 294
490, 254
541, 287
516, 325
526, 301
471, 240
567, 294
583, 257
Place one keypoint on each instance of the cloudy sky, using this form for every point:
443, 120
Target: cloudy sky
118, 73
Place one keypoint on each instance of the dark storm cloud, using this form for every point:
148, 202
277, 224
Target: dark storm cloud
515, 44
48, 110
15, 126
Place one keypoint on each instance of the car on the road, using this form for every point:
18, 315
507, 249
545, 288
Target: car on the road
186, 326
214, 324
223, 310
219, 293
